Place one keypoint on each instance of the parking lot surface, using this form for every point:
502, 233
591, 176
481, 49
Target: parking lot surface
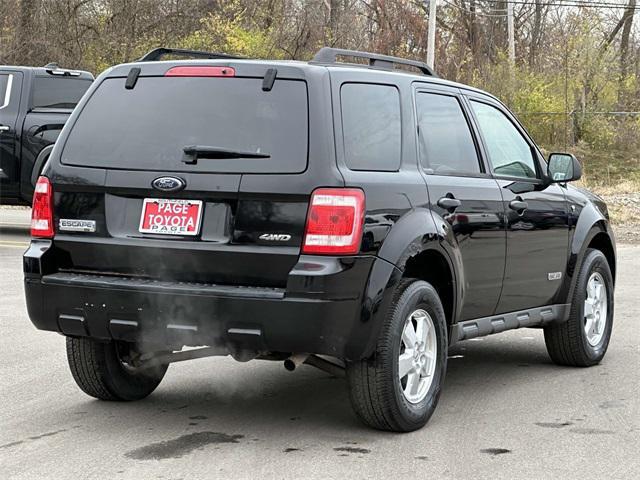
506, 410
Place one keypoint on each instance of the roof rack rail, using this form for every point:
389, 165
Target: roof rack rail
158, 53
52, 68
386, 62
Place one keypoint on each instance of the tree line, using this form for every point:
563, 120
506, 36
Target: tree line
574, 81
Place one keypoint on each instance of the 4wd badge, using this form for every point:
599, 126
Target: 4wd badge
275, 237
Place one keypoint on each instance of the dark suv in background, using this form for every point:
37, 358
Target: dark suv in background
356, 217
35, 103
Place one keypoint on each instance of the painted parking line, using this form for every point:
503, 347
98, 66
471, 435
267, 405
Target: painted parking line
13, 244
15, 225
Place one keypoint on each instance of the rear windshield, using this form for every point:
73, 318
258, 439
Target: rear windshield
58, 92
148, 127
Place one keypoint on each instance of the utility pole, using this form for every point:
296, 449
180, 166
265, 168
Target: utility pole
511, 34
431, 34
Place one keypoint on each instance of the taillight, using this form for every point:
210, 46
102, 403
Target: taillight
42, 211
200, 72
334, 221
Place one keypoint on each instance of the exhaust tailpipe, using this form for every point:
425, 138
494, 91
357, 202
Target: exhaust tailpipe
332, 368
295, 360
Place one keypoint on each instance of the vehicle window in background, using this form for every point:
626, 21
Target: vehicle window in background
371, 126
4, 93
509, 153
58, 92
4, 80
446, 144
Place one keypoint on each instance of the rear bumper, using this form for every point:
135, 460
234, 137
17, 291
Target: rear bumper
322, 310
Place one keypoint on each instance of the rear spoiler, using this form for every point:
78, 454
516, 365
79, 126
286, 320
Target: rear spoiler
156, 54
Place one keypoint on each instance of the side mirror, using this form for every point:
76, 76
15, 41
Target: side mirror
563, 167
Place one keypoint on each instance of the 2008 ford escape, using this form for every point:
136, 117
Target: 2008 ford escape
356, 217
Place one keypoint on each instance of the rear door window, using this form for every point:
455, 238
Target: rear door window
5, 94
149, 126
58, 92
371, 126
446, 144
10, 90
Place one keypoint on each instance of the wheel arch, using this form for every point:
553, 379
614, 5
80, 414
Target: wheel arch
602, 241
434, 267
592, 231
412, 249
428, 256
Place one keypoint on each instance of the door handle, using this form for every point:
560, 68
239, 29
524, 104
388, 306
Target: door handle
518, 205
4, 128
449, 203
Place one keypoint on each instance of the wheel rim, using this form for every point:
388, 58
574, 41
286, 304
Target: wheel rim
595, 309
418, 356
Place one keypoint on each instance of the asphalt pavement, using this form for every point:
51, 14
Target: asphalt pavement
506, 410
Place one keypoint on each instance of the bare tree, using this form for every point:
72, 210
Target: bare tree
627, 20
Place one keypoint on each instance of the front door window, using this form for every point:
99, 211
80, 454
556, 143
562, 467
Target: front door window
509, 153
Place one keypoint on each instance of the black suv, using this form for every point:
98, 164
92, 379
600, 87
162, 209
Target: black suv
357, 217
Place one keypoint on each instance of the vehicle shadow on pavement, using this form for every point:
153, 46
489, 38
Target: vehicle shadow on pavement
258, 397
495, 363
262, 397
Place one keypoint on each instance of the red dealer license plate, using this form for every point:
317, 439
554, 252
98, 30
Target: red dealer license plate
170, 217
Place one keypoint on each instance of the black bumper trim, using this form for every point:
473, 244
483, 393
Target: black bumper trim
73, 325
326, 314
157, 286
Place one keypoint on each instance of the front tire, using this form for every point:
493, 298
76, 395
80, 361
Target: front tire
100, 372
582, 340
398, 388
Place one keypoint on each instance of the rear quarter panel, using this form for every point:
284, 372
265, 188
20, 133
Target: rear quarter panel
398, 221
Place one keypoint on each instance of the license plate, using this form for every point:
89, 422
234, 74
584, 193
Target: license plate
170, 217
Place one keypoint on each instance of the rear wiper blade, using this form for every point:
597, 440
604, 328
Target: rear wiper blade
194, 152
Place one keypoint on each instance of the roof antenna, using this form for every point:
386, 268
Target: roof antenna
269, 79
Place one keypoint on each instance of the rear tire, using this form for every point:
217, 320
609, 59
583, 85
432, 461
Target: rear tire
99, 371
381, 395
573, 342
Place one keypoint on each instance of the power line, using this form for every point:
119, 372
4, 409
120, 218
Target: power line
568, 3
475, 12
552, 3
581, 3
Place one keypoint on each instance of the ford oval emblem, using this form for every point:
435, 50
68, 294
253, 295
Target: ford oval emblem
168, 184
